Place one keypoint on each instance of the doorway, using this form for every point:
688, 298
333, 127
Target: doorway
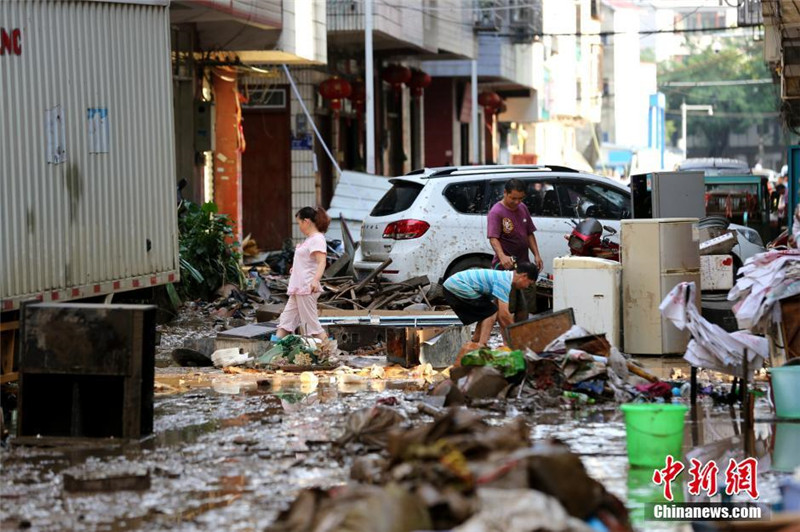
266, 177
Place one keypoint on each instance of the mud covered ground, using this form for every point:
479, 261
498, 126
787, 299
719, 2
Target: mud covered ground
229, 451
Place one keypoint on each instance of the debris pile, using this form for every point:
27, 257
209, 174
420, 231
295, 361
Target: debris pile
765, 279
458, 473
578, 367
297, 350
712, 347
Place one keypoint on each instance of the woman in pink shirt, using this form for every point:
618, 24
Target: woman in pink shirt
307, 270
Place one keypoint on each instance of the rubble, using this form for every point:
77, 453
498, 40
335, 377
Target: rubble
463, 473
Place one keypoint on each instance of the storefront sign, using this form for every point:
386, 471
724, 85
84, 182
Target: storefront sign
10, 41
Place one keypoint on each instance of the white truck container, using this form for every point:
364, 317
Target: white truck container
87, 157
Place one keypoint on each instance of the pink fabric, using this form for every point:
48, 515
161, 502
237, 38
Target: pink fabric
305, 264
301, 310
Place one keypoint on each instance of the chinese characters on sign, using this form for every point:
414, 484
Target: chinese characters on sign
739, 477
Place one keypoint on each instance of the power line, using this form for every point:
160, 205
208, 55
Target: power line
720, 83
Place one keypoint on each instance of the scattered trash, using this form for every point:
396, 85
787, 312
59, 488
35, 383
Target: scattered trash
765, 279
298, 352
508, 362
463, 474
711, 346
229, 357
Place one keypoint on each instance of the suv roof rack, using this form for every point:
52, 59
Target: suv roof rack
486, 169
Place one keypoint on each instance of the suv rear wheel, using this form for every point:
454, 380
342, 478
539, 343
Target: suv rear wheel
469, 263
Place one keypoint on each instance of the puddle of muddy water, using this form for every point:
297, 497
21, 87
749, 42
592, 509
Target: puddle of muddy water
231, 461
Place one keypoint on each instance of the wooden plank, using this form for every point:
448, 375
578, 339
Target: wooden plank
340, 264
9, 377
540, 330
373, 274
414, 282
424, 297
9, 326
385, 300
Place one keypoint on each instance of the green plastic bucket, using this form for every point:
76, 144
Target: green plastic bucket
653, 431
786, 391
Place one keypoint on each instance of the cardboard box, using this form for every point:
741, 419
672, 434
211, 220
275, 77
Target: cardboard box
716, 272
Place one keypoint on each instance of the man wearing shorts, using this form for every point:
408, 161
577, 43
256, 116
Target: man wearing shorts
481, 296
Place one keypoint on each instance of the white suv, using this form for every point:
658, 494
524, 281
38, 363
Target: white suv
433, 221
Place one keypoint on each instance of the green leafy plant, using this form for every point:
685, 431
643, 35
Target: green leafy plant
209, 252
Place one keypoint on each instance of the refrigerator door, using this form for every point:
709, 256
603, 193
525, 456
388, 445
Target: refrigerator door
641, 286
679, 245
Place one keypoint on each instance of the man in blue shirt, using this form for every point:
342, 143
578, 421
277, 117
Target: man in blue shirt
472, 295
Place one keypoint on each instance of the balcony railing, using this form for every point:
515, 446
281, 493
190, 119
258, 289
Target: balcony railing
522, 19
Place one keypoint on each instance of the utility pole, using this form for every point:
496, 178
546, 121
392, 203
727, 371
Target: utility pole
476, 156
370, 86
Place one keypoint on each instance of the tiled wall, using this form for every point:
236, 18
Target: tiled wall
305, 185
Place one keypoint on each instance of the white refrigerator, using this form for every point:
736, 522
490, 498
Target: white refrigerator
656, 255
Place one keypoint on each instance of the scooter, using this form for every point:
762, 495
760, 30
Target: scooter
587, 240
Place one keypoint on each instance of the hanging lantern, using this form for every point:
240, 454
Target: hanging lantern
490, 101
358, 94
334, 89
395, 75
419, 81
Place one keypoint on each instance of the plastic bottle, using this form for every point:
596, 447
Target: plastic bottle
579, 397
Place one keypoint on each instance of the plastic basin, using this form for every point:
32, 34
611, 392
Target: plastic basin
653, 431
786, 391
784, 452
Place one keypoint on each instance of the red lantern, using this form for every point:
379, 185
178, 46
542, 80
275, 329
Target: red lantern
395, 75
334, 89
359, 94
419, 80
490, 101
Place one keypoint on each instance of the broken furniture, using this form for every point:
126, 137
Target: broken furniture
537, 332
409, 339
86, 370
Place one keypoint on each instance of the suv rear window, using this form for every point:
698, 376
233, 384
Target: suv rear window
397, 199
467, 198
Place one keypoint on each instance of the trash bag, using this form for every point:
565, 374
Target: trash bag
371, 426
353, 509
520, 510
509, 363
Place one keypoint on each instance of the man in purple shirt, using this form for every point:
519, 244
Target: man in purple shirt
511, 234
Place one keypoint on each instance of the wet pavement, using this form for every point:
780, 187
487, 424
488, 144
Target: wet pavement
229, 451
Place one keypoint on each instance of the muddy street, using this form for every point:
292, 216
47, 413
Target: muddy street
231, 450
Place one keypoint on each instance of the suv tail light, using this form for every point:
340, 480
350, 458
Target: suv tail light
405, 229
